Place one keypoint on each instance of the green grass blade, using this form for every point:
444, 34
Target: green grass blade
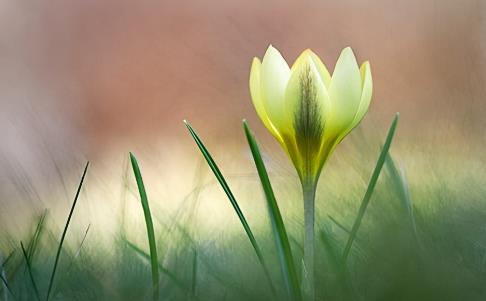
280, 234
7, 260
29, 269
165, 271
59, 248
234, 203
34, 242
371, 187
150, 226
340, 226
401, 186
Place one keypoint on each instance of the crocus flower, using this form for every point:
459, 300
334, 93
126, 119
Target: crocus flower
305, 108
309, 111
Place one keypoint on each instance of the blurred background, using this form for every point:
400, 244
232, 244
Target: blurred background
93, 80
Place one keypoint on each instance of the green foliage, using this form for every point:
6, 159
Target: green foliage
421, 237
233, 201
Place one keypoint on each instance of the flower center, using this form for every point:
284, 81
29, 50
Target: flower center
308, 123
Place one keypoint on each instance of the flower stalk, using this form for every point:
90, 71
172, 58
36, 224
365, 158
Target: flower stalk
309, 196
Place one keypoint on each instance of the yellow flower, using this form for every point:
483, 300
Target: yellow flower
305, 108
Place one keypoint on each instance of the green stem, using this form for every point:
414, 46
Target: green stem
309, 192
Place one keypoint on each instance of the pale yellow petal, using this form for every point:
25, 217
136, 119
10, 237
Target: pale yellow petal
255, 92
367, 84
256, 96
344, 92
275, 74
325, 76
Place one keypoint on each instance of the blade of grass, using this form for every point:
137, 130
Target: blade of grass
29, 269
159, 266
401, 186
340, 226
63, 236
74, 256
150, 226
34, 242
371, 187
234, 203
283, 246
7, 260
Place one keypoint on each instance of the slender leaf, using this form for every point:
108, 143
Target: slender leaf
165, 271
401, 186
59, 248
341, 226
281, 238
234, 203
31, 274
34, 242
150, 226
371, 187
7, 260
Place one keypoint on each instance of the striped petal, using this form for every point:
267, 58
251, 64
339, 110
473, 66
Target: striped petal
306, 100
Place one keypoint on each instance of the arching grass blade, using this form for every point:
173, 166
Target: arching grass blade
150, 226
234, 203
283, 246
371, 187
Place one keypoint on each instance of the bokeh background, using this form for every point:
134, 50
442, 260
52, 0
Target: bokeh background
93, 79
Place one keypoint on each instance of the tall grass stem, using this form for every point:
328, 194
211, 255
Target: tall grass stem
63, 236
